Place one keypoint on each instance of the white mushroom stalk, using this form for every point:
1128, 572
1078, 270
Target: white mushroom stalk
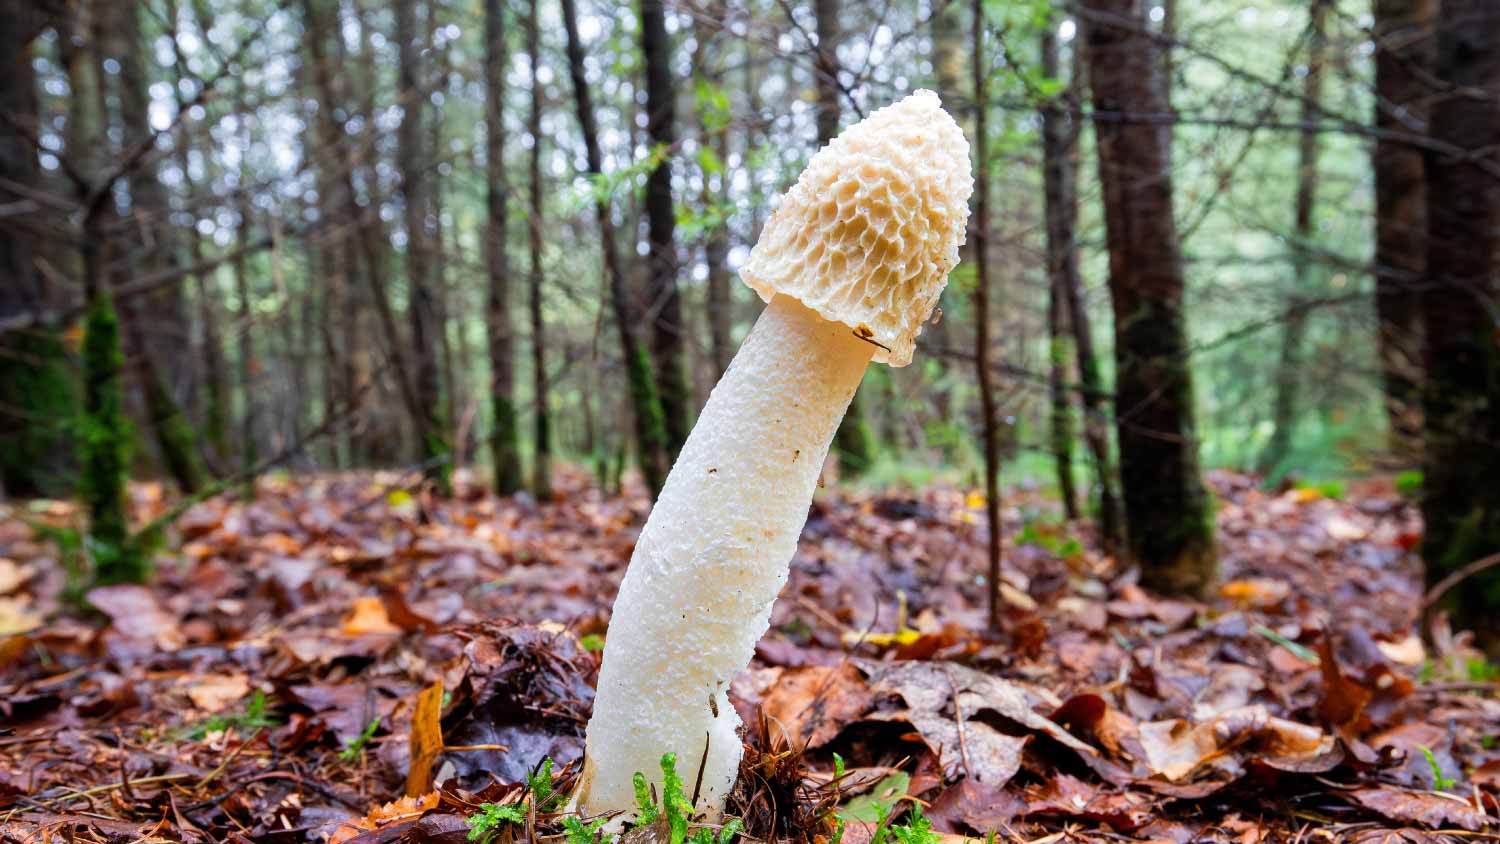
852, 264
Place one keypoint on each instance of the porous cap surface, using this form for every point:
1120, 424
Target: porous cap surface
870, 231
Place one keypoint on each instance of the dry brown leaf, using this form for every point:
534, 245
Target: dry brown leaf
426, 739
396, 811
212, 693
368, 617
1424, 807
811, 705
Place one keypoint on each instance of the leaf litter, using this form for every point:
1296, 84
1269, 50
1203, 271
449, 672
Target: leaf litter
331, 662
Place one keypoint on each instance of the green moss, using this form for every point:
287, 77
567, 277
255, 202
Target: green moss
505, 444
104, 442
35, 429
175, 437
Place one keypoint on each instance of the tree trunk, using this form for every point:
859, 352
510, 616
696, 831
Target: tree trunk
713, 126
174, 436
506, 441
650, 425
853, 440
1289, 369
541, 470
948, 64
667, 328
980, 227
1062, 270
1403, 53
34, 377
421, 308
1167, 509
1461, 402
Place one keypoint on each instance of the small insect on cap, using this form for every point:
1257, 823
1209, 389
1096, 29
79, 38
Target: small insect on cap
870, 231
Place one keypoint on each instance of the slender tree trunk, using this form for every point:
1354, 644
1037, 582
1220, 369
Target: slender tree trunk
1167, 509
650, 424
541, 470
1404, 50
854, 440
421, 308
506, 441
668, 332
980, 228
948, 66
713, 129
1289, 369
249, 367
1461, 402
174, 436
1062, 271
1095, 406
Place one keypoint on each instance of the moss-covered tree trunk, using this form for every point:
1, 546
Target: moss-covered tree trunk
1404, 53
1167, 509
505, 443
650, 422
1461, 402
1058, 174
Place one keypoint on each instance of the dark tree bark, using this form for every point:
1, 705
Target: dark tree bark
667, 327
1167, 510
650, 424
713, 129
1404, 51
1058, 173
1095, 409
980, 230
34, 379
948, 64
506, 441
854, 440
150, 213
421, 308
362, 248
541, 470
1289, 368
1461, 401
248, 365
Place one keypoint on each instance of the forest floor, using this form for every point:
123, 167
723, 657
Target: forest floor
266, 686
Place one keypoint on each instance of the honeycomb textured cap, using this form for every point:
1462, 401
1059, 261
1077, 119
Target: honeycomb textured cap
870, 231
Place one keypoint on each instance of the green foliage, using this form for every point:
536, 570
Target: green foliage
1334, 489
1050, 541
1439, 782
253, 717
879, 809
543, 797
1409, 484
575, 831
104, 450
712, 103
604, 187
675, 808
490, 818
353, 748
916, 830
873, 807
70, 555
592, 642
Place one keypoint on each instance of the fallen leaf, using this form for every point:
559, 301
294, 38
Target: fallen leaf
809, 706
215, 692
426, 739
1424, 807
17, 617
368, 617
396, 811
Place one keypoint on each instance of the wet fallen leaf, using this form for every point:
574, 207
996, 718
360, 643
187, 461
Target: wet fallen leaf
426, 739
368, 617
1432, 810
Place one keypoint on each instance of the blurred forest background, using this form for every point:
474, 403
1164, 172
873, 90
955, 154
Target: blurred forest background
503, 234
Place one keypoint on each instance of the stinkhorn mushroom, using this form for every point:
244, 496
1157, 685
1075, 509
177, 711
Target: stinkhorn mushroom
851, 265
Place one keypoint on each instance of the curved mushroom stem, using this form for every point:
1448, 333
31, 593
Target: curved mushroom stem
713, 556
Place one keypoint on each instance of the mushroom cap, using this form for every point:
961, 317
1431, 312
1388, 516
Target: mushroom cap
870, 231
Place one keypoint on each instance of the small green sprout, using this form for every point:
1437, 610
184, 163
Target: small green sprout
575, 831
1439, 782
543, 797
592, 643
353, 748
253, 718
490, 818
